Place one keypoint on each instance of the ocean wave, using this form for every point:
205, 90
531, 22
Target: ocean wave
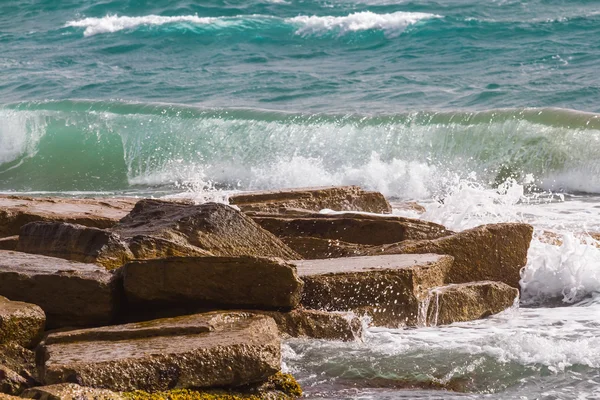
360, 21
304, 25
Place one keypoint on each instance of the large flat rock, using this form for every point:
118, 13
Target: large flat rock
238, 349
387, 288
16, 211
340, 198
495, 252
248, 282
356, 228
70, 293
468, 301
74, 242
22, 323
70, 391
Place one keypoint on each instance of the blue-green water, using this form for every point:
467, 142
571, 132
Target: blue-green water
491, 106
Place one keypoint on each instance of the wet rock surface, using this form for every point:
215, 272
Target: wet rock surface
249, 282
355, 228
341, 198
495, 252
16, 211
21, 323
387, 288
468, 301
70, 293
311, 248
240, 349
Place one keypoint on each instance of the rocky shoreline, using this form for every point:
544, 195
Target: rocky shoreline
151, 299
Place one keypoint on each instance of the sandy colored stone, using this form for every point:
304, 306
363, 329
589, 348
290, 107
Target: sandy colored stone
468, 301
74, 242
362, 229
240, 349
22, 323
16, 211
312, 248
495, 252
255, 282
70, 293
9, 242
70, 391
340, 198
317, 324
17, 369
215, 228
388, 289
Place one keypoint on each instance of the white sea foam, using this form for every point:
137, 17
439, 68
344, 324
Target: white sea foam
393, 23
20, 133
114, 23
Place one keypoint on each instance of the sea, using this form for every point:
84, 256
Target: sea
481, 111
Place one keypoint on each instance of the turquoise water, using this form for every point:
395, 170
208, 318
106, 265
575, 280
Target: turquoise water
482, 111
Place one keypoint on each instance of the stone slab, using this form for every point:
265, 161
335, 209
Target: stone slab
22, 323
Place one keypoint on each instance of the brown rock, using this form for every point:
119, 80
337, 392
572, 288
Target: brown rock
317, 324
70, 391
468, 301
409, 206
16, 211
352, 228
9, 243
312, 248
494, 252
74, 242
70, 293
388, 289
245, 281
17, 369
240, 349
22, 323
342, 198
214, 228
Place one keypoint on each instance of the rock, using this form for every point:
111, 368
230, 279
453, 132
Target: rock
409, 206
9, 243
74, 242
211, 228
352, 228
341, 198
248, 282
312, 248
17, 369
317, 324
240, 349
388, 289
494, 252
22, 323
468, 301
16, 211
70, 293
70, 391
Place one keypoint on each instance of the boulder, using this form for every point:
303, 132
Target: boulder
312, 248
70, 293
317, 324
70, 391
74, 242
341, 198
352, 228
468, 301
495, 252
9, 243
389, 289
211, 229
248, 282
239, 349
16, 211
22, 323
11, 382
